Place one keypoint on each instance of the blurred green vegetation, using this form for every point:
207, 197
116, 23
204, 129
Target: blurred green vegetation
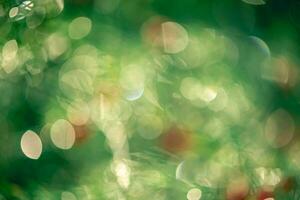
149, 99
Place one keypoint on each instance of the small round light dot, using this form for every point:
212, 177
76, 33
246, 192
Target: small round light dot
194, 194
31, 145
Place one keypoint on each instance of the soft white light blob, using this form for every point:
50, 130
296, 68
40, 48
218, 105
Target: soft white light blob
175, 37
80, 27
62, 134
9, 56
122, 172
194, 194
13, 12
56, 45
31, 145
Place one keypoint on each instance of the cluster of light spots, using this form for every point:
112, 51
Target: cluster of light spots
56, 45
21, 11
31, 145
279, 128
254, 2
194, 194
268, 177
78, 113
175, 37
80, 27
62, 134
9, 56
201, 95
122, 172
65, 195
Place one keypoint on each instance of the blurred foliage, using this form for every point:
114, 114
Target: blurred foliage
149, 99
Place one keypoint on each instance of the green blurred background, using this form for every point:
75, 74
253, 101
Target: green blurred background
149, 99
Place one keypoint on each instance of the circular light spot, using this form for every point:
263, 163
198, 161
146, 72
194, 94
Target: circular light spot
56, 44
9, 56
13, 12
279, 128
68, 196
194, 194
10, 49
62, 134
80, 27
31, 145
175, 37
